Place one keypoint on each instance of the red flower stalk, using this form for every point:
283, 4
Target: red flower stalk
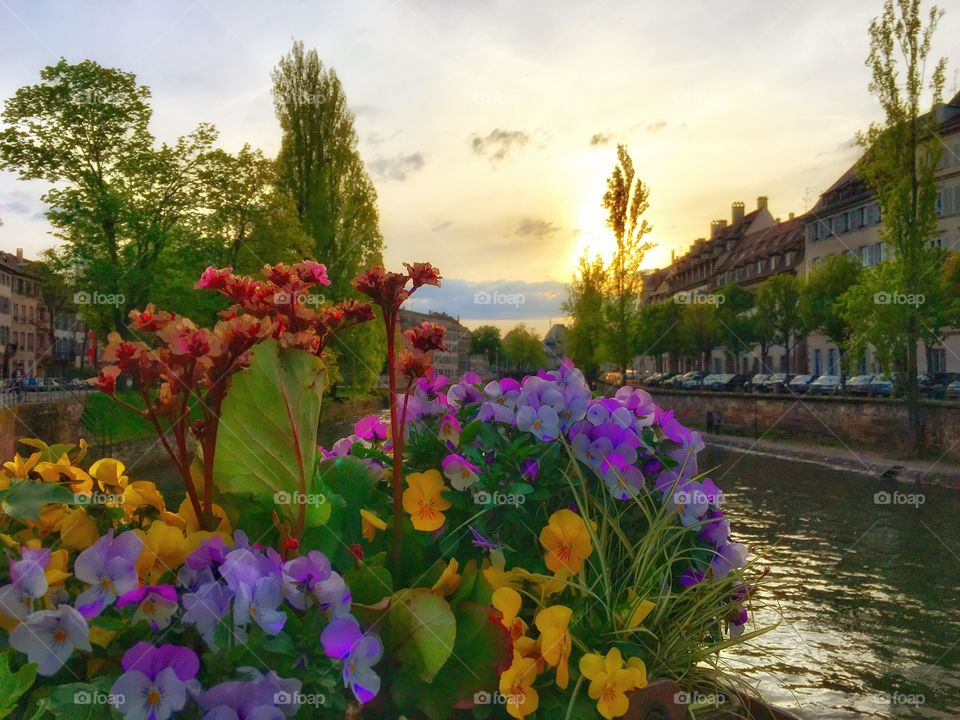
389, 290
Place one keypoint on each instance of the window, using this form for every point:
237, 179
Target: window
844, 221
818, 362
938, 360
874, 214
938, 203
30, 341
832, 361
863, 364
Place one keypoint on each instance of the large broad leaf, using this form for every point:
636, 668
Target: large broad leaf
420, 631
13, 685
24, 499
267, 443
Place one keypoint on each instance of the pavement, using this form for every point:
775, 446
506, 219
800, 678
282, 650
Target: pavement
932, 471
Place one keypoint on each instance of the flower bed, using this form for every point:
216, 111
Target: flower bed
508, 548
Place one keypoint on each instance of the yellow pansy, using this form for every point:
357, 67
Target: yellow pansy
109, 473
191, 524
52, 472
370, 524
516, 685
640, 610
610, 681
508, 602
566, 540
495, 573
50, 518
77, 530
555, 642
20, 467
141, 493
164, 548
423, 501
449, 579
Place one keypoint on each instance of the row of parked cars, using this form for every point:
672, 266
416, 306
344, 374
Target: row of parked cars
33, 384
941, 385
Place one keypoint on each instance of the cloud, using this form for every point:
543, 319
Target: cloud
601, 138
398, 167
535, 227
441, 226
656, 126
505, 300
499, 143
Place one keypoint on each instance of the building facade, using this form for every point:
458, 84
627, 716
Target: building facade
847, 219
747, 250
456, 360
24, 321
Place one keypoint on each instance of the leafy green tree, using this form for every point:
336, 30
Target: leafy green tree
660, 332
820, 306
524, 349
115, 198
485, 340
625, 200
950, 280
900, 159
699, 325
778, 310
737, 327
321, 170
584, 304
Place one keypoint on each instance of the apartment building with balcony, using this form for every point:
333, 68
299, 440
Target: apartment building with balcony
847, 219
23, 317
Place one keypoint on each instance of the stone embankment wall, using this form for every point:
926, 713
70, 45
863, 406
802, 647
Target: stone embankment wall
859, 423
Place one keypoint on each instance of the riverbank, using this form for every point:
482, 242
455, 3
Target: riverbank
864, 462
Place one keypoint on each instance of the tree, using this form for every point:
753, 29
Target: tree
625, 200
523, 349
485, 340
584, 304
900, 159
778, 300
699, 325
321, 170
737, 328
820, 306
660, 332
116, 199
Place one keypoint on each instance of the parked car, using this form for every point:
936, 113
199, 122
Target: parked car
612, 377
776, 383
735, 383
882, 386
858, 385
716, 381
952, 391
756, 383
825, 385
692, 381
675, 381
936, 386
659, 378
799, 384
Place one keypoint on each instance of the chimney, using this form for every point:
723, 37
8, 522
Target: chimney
791, 216
762, 202
737, 213
716, 226
19, 256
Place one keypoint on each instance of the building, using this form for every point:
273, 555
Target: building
749, 249
24, 321
456, 360
847, 219
555, 344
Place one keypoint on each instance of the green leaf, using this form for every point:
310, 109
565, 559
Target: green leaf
420, 631
267, 442
280, 644
13, 685
24, 499
369, 585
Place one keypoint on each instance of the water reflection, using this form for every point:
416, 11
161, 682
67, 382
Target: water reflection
869, 592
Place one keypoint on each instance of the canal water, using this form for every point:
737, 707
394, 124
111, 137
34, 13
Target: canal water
864, 583
864, 587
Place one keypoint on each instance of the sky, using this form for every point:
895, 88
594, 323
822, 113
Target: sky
489, 128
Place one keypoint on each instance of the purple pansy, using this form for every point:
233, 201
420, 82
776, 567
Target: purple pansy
28, 582
157, 604
301, 576
205, 608
343, 640
729, 556
48, 637
371, 428
542, 422
459, 471
109, 567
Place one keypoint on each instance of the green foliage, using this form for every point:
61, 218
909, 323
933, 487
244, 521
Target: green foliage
523, 349
14, 684
107, 422
420, 630
321, 171
659, 331
24, 499
485, 340
820, 305
625, 200
700, 326
584, 304
778, 313
735, 317
267, 441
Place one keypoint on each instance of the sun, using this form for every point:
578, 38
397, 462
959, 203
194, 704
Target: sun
594, 236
